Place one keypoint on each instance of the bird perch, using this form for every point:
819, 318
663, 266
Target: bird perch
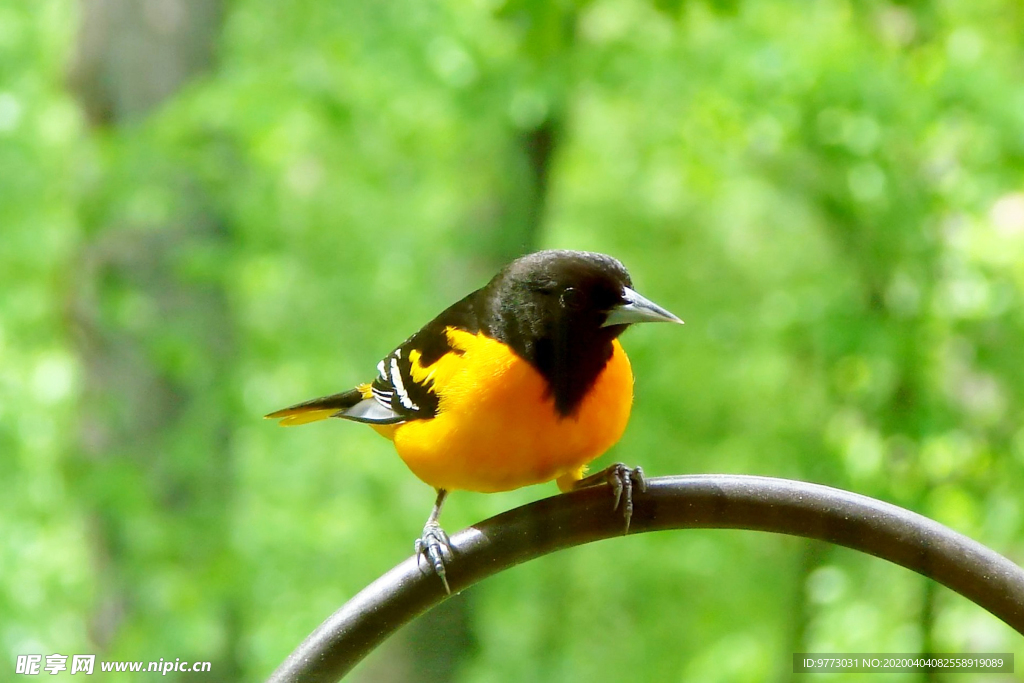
687, 502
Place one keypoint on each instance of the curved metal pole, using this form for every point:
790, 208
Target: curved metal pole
692, 502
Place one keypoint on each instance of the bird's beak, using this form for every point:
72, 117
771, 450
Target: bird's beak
636, 309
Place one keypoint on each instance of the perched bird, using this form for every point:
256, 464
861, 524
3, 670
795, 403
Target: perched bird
521, 382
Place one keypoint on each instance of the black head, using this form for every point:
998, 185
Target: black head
561, 310
560, 289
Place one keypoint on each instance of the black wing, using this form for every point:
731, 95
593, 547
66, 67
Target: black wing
394, 388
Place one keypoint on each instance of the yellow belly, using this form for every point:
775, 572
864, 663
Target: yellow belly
497, 428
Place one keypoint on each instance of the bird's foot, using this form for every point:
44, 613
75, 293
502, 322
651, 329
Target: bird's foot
622, 479
436, 548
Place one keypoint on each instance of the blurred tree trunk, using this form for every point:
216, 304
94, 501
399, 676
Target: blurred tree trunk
134, 54
927, 627
153, 329
538, 145
811, 555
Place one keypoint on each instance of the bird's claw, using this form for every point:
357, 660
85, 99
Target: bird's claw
622, 479
436, 548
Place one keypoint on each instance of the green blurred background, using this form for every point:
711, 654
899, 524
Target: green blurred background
209, 210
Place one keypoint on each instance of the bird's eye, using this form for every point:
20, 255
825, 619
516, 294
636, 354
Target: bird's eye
571, 299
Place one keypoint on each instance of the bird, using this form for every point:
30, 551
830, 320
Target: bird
522, 382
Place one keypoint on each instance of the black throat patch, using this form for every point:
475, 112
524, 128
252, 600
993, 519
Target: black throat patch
569, 351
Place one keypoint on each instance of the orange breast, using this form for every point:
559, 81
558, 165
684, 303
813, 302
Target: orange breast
497, 428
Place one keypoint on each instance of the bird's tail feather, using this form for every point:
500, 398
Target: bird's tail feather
319, 408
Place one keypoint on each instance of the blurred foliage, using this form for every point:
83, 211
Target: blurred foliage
830, 193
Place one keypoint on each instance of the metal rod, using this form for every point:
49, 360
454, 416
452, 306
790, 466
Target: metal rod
691, 502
